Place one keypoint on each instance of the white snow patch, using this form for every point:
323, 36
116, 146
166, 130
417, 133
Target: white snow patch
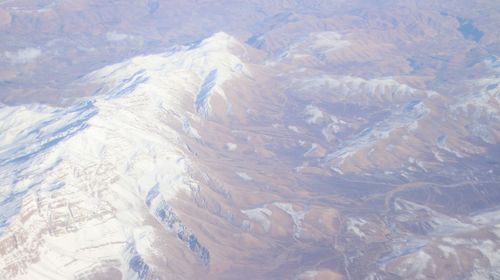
441, 143
190, 130
260, 215
231, 147
437, 156
369, 136
487, 218
313, 114
354, 225
415, 265
297, 217
447, 251
326, 42
313, 148
337, 170
293, 128
244, 176
307, 275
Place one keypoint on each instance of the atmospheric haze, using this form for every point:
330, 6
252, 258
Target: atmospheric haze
260, 139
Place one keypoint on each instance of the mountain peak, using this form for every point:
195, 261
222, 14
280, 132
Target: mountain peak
220, 40
196, 71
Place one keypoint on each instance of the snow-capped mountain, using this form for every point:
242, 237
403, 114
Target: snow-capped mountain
89, 185
224, 160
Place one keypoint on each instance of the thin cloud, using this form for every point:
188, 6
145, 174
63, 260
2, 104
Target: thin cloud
117, 37
114, 36
23, 56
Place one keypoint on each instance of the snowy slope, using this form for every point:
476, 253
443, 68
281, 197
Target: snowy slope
83, 187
